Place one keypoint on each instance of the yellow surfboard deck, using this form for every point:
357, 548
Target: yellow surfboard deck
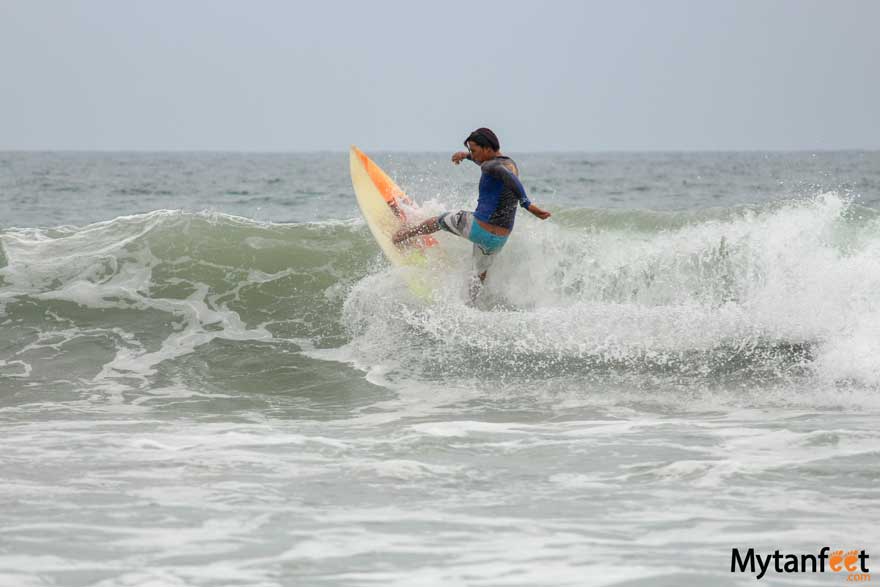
385, 208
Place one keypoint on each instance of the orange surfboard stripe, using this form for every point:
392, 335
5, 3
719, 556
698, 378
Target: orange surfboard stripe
386, 186
390, 191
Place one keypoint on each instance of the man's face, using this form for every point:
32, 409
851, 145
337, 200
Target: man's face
478, 153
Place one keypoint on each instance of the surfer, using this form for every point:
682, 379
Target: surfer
491, 223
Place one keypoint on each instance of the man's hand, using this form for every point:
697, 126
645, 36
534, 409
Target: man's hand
458, 157
542, 214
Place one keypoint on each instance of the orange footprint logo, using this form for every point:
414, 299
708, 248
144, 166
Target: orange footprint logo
835, 559
850, 560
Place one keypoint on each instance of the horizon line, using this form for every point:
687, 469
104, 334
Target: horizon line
434, 151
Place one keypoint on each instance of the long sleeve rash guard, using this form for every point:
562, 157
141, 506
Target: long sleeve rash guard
500, 192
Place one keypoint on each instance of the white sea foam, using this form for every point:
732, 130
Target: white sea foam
788, 289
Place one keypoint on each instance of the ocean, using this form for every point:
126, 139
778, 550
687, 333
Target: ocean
210, 376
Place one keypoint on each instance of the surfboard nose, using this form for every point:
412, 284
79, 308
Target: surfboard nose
362, 157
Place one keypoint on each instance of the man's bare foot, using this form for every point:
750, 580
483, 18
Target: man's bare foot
401, 235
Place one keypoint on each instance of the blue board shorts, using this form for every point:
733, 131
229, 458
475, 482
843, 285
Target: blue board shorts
486, 244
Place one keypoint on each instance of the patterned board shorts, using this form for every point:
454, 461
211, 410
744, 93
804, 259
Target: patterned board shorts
486, 244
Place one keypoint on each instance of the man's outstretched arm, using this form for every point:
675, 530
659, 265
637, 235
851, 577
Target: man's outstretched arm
539, 212
461, 156
512, 181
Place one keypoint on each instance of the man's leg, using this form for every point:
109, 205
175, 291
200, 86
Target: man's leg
476, 285
407, 232
482, 262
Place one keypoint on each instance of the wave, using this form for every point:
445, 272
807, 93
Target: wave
770, 292
117, 300
786, 289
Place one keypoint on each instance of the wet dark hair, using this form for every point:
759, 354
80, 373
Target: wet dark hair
484, 137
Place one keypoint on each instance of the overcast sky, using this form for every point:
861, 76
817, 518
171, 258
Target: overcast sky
292, 76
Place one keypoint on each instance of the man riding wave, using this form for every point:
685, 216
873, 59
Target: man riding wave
489, 226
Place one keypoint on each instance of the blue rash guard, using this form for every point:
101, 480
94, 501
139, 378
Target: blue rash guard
500, 192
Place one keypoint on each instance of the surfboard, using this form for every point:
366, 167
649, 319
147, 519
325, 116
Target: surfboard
386, 208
